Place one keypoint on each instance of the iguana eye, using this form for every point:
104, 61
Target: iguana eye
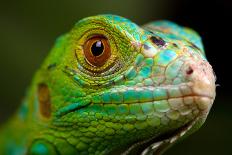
97, 50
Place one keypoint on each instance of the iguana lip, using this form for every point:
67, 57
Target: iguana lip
185, 92
138, 94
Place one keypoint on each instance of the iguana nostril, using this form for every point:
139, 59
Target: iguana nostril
189, 71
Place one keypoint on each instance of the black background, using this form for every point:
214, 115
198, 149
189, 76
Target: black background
29, 28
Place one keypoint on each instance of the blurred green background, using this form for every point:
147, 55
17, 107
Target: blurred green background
28, 30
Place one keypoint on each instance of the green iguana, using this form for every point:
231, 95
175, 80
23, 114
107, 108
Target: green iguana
111, 87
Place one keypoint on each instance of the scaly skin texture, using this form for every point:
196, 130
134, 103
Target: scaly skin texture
156, 88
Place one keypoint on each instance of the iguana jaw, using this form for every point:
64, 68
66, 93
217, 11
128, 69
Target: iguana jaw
157, 145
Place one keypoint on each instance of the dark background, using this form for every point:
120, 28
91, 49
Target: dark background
28, 30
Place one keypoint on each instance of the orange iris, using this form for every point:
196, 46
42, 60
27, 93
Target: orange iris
97, 50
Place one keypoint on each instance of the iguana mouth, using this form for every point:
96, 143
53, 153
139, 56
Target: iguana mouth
185, 92
158, 144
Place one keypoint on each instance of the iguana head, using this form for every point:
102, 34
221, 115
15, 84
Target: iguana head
116, 87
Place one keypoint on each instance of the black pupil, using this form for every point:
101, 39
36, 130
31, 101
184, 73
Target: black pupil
97, 48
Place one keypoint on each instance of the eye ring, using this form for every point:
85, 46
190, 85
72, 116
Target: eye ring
97, 50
